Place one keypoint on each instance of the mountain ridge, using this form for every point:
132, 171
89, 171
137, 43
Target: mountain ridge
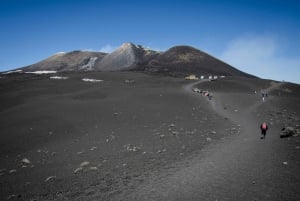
181, 59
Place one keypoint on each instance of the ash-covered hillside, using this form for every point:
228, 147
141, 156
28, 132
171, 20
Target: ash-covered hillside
71, 61
130, 57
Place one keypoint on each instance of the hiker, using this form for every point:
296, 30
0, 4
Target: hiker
263, 128
263, 95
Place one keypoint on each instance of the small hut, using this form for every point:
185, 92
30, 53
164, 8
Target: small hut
191, 77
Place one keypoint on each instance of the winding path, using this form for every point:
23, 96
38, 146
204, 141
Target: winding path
241, 167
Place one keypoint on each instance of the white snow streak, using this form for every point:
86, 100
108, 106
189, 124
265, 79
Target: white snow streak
58, 78
43, 72
91, 80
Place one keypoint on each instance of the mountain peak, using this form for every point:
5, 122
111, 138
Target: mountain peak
180, 59
122, 58
127, 45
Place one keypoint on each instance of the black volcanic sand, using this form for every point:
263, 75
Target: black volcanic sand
141, 137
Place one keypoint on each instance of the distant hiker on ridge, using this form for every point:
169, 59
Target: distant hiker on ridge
263, 128
264, 94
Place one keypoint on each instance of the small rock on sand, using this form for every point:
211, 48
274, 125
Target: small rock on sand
172, 125
85, 163
12, 171
78, 170
289, 131
49, 178
93, 148
93, 168
25, 161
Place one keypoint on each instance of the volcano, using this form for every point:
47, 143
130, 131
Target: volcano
130, 57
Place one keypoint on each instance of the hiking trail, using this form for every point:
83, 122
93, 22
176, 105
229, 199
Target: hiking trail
241, 167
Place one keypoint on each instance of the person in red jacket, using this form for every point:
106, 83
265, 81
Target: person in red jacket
263, 128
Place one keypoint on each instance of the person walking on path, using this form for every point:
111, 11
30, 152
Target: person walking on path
264, 95
263, 128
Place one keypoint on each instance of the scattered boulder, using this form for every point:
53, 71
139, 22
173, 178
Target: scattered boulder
289, 131
93, 168
175, 133
25, 161
12, 171
49, 178
196, 90
77, 170
208, 139
172, 125
93, 148
85, 163
131, 148
129, 81
13, 196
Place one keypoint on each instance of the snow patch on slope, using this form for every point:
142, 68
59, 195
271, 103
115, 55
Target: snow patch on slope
58, 78
43, 72
91, 80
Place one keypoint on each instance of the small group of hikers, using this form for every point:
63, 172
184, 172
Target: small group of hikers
263, 126
264, 94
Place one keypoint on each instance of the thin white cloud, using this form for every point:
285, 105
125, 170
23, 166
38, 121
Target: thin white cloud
155, 49
150, 47
107, 48
87, 50
262, 56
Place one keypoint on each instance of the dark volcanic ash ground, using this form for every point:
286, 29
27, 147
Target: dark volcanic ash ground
132, 136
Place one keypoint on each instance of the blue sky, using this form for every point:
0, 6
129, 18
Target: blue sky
260, 37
